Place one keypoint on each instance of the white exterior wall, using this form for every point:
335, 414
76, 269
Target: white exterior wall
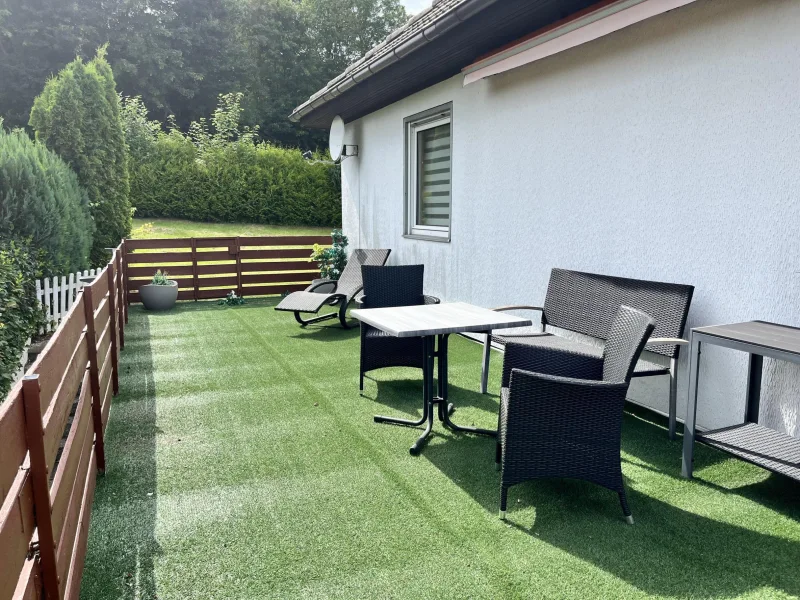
668, 151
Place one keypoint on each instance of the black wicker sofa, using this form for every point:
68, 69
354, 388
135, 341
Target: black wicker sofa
586, 304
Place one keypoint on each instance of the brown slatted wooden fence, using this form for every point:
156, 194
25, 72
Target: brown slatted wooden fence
64, 399
212, 267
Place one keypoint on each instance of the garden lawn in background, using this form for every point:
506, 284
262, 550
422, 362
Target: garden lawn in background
242, 463
144, 229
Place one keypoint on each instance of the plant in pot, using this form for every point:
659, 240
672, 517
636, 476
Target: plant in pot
161, 293
331, 261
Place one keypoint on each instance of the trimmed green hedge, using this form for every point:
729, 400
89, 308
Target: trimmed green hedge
21, 315
226, 176
41, 201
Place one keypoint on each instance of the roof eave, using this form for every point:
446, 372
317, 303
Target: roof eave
363, 69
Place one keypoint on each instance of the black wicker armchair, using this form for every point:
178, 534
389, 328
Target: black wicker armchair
561, 412
385, 287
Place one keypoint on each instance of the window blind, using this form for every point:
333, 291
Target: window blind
433, 176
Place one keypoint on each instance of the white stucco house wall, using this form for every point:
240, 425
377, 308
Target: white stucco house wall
666, 149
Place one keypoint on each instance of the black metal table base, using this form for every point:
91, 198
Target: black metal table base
430, 401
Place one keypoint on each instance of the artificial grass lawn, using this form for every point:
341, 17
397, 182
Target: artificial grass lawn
242, 463
144, 229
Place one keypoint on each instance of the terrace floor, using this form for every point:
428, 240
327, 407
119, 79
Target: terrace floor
242, 463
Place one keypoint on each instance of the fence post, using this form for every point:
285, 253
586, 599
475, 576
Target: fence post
195, 278
40, 298
239, 288
124, 259
62, 307
48, 304
94, 380
120, 297
112, 312
41, 484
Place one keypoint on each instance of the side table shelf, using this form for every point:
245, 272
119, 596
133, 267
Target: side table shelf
759, 445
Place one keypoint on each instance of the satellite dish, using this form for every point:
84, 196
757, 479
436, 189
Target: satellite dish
336, 139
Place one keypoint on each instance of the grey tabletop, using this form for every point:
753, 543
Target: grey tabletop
761, 333
437, 319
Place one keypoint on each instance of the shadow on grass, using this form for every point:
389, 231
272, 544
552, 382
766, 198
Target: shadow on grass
192, 306
670, 551
122, 540
327, 331
645, 439
405, 393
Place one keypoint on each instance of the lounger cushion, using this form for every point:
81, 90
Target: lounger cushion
309, 302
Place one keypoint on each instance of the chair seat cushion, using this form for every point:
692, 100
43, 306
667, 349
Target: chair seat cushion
304, 302
644, 368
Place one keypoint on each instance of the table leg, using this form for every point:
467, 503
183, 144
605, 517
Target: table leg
446, 409
754, 388
691, 408
427, 376
429, 397
427, 404
487, 352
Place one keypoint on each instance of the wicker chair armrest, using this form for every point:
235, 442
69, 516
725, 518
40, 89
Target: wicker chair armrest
538, 402
550, 361
668, 341
319, 284
558, 380
519, 307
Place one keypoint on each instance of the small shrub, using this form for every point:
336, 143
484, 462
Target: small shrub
21, 314
161, 278
331, 260
41, 201
231, 300
143, 232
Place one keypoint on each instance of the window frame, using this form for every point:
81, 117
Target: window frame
412, 126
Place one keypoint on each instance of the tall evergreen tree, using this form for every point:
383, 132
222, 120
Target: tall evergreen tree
42, 203
77, 116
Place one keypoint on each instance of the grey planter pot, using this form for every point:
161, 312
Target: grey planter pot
159, 297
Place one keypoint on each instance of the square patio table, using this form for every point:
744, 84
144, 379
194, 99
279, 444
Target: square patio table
430, 322
749, 441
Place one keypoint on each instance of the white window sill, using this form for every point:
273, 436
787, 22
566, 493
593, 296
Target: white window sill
427, 238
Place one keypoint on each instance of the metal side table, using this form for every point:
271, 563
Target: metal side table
749, 441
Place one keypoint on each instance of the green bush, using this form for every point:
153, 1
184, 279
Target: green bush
218, 172
77, 116
41, 201
331, 260
21, 315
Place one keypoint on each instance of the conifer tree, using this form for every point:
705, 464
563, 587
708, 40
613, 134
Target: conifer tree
77, 116
42, 203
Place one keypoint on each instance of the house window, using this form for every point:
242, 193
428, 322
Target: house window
428, 173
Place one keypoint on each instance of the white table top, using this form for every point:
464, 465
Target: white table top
436, 319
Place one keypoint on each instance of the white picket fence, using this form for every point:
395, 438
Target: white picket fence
58, 293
